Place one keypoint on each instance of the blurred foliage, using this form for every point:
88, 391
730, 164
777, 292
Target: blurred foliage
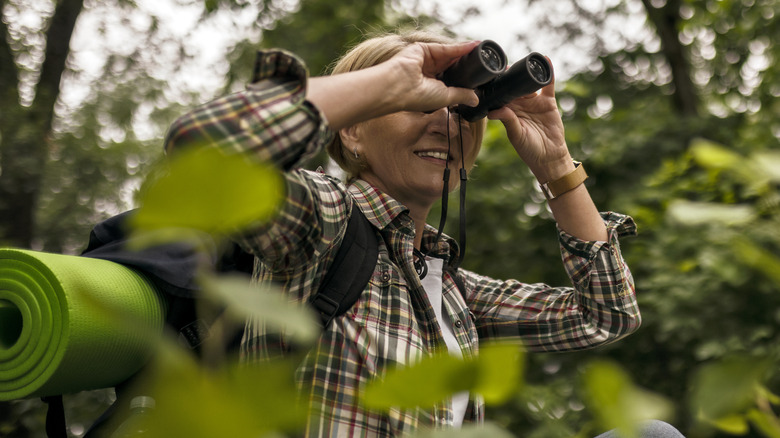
702, 184
702, 188
495, 374
204, 189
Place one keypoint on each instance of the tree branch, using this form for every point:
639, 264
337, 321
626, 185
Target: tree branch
666, 20
57, 49
9, 75
25, 151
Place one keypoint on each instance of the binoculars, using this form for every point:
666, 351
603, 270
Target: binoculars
484, 70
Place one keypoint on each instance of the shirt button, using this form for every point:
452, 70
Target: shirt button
385, 277
458, 323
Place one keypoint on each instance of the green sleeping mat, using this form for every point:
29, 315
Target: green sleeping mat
71, 323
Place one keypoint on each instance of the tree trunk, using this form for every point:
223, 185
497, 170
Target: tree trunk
25, 131
666, 20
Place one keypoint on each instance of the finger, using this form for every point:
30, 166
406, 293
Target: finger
503, 114
514, 131
464, 96
444, 55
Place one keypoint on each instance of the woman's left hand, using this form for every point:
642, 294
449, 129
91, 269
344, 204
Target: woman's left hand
535, 129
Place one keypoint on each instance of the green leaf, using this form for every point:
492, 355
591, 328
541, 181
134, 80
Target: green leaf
576, 88
228, 401
712, 155
731, 424
499, 372
767, 423
468, 431
425, 383
246, 300
207, 190
726, 388
757, 257
755, 171
769, 396
495, 374
616, 402
701, 213
210, 5
769, 161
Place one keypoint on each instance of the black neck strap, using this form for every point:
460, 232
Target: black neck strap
445, 194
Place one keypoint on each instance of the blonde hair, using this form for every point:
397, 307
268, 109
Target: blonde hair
369, 53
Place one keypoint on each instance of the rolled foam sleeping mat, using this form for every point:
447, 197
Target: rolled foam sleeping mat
70, 323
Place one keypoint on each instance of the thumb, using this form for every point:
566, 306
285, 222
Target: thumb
465, 96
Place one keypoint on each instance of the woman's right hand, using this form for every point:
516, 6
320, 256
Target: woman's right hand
415, 69
406, 82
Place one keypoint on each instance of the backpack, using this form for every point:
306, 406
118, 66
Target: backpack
172, 268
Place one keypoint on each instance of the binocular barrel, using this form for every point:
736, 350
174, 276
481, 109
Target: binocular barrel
526, 76
484, 70
483, 63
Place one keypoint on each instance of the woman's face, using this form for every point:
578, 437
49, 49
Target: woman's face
406, 153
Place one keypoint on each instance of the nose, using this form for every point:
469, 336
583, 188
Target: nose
446, 120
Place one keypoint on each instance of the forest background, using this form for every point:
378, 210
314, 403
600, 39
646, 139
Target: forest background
671, 103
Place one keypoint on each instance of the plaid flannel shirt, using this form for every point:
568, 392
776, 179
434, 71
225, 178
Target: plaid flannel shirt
392, 322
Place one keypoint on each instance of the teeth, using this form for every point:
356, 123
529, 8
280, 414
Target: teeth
437, 155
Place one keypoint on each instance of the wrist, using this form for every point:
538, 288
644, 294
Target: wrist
554, 170
566, 183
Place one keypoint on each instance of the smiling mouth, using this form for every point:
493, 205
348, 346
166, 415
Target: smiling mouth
432, 154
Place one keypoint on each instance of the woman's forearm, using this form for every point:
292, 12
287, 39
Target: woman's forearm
576, 214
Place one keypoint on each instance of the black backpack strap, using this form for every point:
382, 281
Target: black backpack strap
350, 271
55, 417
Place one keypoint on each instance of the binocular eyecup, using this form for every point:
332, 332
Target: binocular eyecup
484, 70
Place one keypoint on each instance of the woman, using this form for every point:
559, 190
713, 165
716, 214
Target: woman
383, 116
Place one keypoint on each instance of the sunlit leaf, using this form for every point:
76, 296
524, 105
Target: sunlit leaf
495, 374
769, 161
469, 431
196, 401
767, 423
731, 424
701, 213
755, 171
426, 383
617, 402
210, 191
270, 387
576, 88
769, 396
713, 155
254, 300
757, 257
727, 387
499, 372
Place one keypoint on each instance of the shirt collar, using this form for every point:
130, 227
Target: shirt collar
381, 210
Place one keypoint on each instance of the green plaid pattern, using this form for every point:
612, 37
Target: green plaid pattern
392, 323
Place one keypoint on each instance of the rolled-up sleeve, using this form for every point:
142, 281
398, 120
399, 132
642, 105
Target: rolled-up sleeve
270, 120
600, 308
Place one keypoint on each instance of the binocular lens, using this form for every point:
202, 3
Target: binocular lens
492, 58
538, 70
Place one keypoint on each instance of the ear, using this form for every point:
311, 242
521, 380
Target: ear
350, 136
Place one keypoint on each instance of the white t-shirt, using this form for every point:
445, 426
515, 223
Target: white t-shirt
432, 283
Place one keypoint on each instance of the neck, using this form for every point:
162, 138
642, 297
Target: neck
419, 208
419, 216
